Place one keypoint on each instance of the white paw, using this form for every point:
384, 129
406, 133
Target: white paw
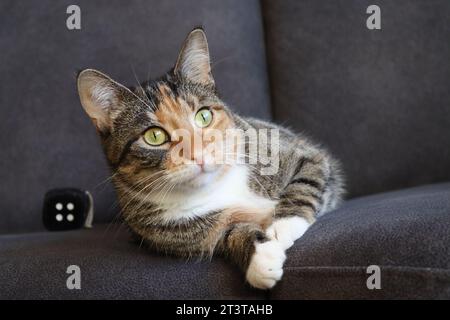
266, 265
287, 230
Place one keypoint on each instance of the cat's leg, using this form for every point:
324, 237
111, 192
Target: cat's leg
258, 256
288, 229
305, 196
244, 243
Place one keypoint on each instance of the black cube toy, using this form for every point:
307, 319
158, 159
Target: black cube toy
67, 209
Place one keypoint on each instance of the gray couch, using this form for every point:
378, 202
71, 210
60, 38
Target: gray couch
378, 99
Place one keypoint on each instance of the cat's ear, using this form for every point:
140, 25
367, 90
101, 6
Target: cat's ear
193, 62
101, 97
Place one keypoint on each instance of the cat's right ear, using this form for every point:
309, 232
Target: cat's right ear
193, 63
100, 97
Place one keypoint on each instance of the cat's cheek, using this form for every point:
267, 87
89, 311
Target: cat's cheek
266, 265
287, 230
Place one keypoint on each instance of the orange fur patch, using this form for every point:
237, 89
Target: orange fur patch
250, 215
174, 113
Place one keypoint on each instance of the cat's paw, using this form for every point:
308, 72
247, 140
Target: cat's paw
287, 230
266, 265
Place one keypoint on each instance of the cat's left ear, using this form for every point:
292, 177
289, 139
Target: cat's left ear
193, 62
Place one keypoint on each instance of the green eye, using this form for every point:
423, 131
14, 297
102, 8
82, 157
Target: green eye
155, 136
203, 117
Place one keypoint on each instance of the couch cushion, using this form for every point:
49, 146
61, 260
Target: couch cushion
379, 99
33, 266
406, 233
46, 140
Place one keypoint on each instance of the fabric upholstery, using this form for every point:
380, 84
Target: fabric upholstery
46, 140
378, 99
33, 266
406, 233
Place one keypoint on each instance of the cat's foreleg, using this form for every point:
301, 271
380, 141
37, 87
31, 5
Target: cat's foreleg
301, 201
258, 256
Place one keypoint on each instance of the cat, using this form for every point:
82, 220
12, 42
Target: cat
197, 207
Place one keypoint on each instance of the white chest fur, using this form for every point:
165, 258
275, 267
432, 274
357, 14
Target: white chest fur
230, 191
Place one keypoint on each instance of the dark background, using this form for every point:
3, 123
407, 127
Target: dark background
378, 99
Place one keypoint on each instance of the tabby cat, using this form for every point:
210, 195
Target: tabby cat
180, 200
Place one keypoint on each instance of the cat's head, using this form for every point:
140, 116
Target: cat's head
158, 132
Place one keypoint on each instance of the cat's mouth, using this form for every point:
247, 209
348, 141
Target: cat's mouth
198, 175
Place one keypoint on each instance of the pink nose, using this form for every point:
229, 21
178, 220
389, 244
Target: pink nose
198, 158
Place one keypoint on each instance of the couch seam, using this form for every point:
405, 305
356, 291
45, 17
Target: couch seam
352, 268
264, 26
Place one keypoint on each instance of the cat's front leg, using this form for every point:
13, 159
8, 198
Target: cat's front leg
266, 264
288, 229
258, 256
309, 191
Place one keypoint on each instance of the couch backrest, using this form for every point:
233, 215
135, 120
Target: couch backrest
379, 99
46, 140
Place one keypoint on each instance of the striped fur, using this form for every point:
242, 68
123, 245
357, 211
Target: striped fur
177, 210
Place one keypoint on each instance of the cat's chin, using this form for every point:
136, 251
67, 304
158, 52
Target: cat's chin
202, 179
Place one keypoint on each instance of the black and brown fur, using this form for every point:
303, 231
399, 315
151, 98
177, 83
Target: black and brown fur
308, 182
